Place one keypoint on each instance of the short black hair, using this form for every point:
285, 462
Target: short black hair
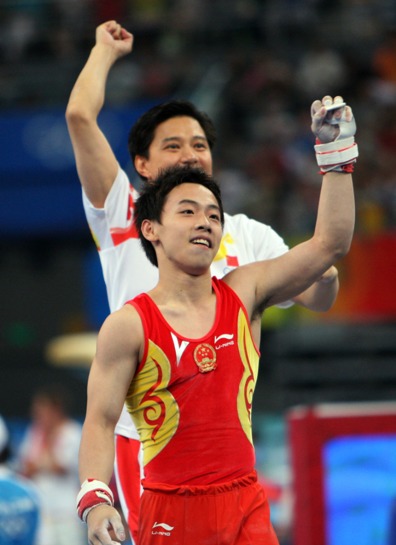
153, 195
142, 132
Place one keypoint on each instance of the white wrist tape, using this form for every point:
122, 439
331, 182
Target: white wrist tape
332, 155
92, 494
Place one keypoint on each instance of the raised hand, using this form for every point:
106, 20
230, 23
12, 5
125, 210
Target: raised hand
332, 119
114, 35
334, 126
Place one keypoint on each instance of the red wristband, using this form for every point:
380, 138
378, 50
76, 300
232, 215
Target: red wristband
92, 494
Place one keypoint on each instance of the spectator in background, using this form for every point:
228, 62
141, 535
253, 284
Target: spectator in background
49, 456
384, 69
321, 69
384, 58
73, 18
20, 29
19, 502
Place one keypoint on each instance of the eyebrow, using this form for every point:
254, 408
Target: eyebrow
196, 137
195, 203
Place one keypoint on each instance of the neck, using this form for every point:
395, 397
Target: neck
178, 286
188, 303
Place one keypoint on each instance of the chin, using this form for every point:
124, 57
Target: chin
199, 270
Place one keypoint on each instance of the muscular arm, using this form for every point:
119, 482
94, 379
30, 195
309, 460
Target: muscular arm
331, 240
334, 127
321, 296
96, 164
280, 279
118, 350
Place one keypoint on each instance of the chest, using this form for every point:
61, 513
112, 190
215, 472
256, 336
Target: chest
192, 323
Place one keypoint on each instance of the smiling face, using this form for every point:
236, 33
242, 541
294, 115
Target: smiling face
190, 231
177, 141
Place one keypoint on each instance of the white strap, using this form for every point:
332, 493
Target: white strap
97, 486
339, 152
335, 145
338, 157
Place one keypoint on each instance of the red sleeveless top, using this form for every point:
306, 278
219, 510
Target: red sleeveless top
191, 399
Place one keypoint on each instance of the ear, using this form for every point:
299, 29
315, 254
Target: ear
141, 166
149, 230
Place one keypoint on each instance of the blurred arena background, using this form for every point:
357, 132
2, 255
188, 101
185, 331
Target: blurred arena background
255, 66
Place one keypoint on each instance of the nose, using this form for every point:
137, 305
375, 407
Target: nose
189, 157
203, 223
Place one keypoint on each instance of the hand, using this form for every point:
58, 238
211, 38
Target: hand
330, 125
334, 126
114, 35
105, 526
329, 276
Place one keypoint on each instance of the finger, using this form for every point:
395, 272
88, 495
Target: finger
347, 113
118, 33
331, 104
335, 111
316, 105
100, 536
327, 101
115, 29
117, 527
125, 34
334, 116
110, 25
317, 119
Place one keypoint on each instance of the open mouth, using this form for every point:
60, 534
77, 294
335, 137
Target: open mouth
202, 242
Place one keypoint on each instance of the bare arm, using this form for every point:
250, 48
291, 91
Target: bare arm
321, 296
283, 278
118, 350
302, 265
96, 164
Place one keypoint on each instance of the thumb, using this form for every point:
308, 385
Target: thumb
118, 530
318, 113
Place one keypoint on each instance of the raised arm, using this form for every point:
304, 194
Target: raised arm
118, 351
321, 295
96, 164
284, 277
303, 264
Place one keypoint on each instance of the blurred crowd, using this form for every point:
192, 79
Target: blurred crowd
254, 65
39, 474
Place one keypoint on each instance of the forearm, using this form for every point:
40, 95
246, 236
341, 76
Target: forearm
96, 458
95, 501
331, 241
336, 215
95, 161
88, 94
321, 296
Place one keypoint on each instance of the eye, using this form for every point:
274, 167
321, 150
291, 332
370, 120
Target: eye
215, 217
201, 145
172, 146
187, 211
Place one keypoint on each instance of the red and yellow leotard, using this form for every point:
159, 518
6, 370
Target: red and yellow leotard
191, 399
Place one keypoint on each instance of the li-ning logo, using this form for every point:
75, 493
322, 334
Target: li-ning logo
166, 529
227, 337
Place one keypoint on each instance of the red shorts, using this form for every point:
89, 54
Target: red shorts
127, 473
232, 513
